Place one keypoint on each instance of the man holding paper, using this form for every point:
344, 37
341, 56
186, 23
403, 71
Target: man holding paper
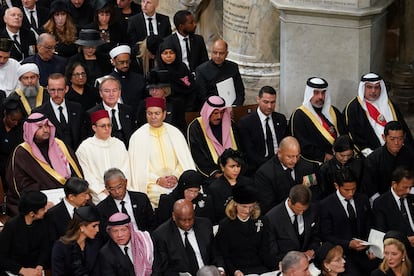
221, 77
347, 218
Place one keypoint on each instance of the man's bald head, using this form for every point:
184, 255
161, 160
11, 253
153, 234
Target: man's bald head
289, 151
183, 214
219, 51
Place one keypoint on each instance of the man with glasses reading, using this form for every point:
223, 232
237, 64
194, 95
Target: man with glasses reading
46, 59
121, 115
135, 204
68, 117
98, 153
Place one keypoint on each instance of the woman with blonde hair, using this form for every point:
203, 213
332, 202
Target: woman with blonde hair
60, 24
329, 258
240, 237
396, 261
76, 252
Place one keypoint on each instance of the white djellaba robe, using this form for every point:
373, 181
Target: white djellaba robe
97, 156
155, 153
8, 76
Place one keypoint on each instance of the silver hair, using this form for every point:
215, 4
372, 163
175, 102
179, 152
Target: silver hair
113, 173
208, 270
291, 260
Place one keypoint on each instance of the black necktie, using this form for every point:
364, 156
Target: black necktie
123, 209
32, 20
288, 172
191, 255
126, 251
350, 209
62, 118
269, 140
150, 26
187, 48
295, 224
17, 43
403, 209
114, 123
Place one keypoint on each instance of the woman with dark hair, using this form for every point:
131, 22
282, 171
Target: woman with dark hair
60, 25
183, 86
189, 188
329, 259
80, 91
97, 64
232, 164
396, 261
240, 236
76, 252
24, 241
11, 132
111, 30
343, 150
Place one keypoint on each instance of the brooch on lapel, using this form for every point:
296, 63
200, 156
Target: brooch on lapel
201, 203
259, 225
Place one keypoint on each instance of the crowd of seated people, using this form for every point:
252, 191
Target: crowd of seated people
102, 176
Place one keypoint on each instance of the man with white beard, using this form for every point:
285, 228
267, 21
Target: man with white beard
31, 93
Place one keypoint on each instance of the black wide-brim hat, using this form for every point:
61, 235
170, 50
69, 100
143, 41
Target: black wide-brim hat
89, 37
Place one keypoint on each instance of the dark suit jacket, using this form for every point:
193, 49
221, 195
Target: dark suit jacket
143, 213
126, 117
137, 30
280, 234
336, 227
388, 215
273, 183
57, 219
170, 256
55, 65
27, 39
76, 122
198, 49
42, 16
252, 140
113, 262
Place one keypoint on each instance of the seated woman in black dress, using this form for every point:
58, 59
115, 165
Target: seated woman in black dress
96, 63
11, 132
240, 236
329, 259
343, 149
24, 244
76, 252
189, 188
221, 190
396, 261
79, 90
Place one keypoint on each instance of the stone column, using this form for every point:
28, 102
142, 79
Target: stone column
251, 29
338, 40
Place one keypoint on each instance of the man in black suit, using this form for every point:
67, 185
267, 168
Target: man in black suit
258, 147
346, 215
394, 210
123, 122
292, 225
24, 39
135, 204
128, 252
68, 117
286, 169
139, 25
34, 16
58, 217
183, 243
191, 47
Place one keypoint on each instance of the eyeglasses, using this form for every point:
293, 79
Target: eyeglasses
49, 48
107, 91
104, 126
78, 75
116, 188
56, 91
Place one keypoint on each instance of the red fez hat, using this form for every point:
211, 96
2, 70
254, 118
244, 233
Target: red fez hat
97, 115
158, 102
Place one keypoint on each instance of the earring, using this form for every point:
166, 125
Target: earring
82, 230
403, 260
